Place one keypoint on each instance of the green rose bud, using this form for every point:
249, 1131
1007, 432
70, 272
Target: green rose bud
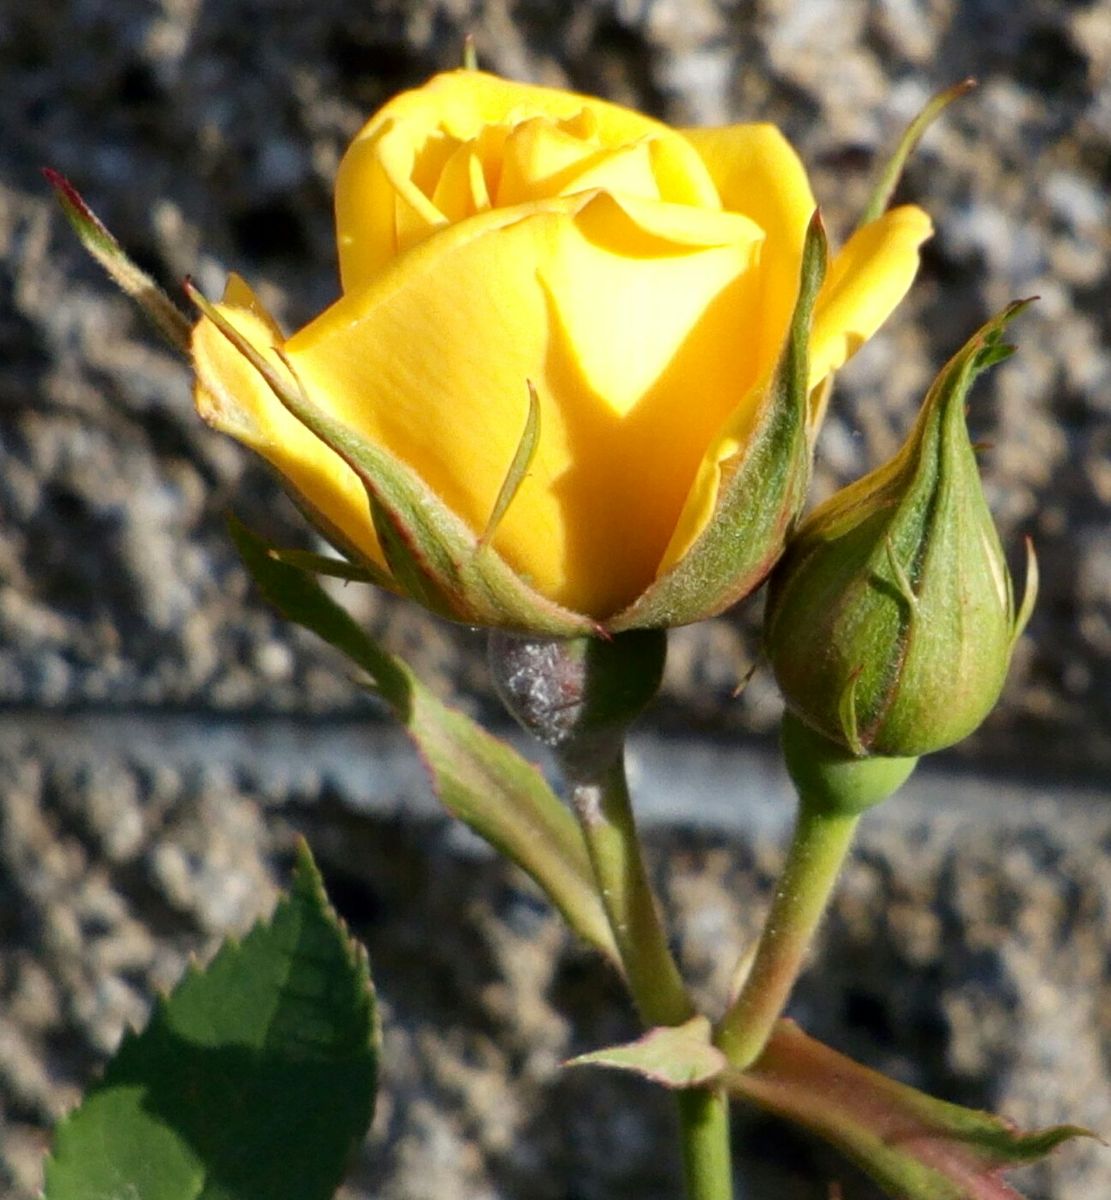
891, 618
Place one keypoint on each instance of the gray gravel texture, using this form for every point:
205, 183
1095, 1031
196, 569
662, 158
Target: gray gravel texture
966, 952
141, 683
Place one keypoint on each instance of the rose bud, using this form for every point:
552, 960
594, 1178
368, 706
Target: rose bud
891, 618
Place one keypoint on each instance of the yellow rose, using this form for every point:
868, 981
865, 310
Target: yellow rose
641, 278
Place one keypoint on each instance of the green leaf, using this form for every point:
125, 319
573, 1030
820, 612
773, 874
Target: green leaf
914, 1146
254, 1078
478, 778
762, 489
430, 550
676, 1056
167, 318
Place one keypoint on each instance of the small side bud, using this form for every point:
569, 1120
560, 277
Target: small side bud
578, 695
891, 618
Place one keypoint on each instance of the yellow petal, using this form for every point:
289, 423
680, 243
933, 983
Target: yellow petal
376, 192
233, 398
461, 190
431, 361
366, 225
628, 296
757, 173
541, 160
462, 103
239, 294
867, 279
702, 496
537, 158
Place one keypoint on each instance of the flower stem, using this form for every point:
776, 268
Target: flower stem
704, 1128
818, 848
606, 815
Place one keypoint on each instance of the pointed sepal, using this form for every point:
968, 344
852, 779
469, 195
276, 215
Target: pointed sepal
762, 488
432, 555
166, 317
330, 567
892, 170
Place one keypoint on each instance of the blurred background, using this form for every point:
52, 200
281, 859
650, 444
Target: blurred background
163, 735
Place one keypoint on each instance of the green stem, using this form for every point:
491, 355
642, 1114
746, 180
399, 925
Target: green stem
704, 1128
818, 848
606, 815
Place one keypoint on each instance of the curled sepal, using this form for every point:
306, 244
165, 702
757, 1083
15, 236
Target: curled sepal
518, 468
431, 553
1029, 593
479, 779
674, 1056
166, 317
891, 618
893, 169
762, 489
914, 1146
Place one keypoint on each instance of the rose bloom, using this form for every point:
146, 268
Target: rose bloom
642, 278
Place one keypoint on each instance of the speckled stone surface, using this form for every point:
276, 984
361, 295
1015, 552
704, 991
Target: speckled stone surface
966, 952
972, 961
208, 148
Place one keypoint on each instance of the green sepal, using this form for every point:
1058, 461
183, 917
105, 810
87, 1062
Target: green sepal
166, 317
431, 552
522, 460
892, 170
1029, 593
914, 1146
373, 571
762, 489
479, 779
891, 619
674, 1056
255, 1077
331, 567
